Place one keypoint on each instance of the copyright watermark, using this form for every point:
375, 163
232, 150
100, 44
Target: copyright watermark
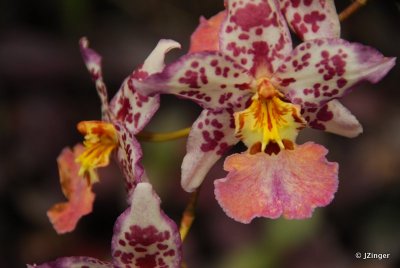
371, 255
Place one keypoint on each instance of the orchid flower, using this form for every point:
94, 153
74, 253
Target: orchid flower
122, 118
259, 90
143, 237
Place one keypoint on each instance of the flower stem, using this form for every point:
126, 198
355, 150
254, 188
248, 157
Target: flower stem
189, 214
167, 136
352, 8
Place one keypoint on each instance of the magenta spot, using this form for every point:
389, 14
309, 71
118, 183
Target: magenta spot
216, 124
315, 124
244, 36
214, 63
148, 261
313, 18
324, 114
125, 109
243, 86
136, 118
139, 74
287, 81
195, 64
341, 82
325, 54
162, 246
170, 252
254, 16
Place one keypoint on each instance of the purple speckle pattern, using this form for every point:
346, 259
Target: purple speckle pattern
129, 155
208, 78
131, 107
212, 134
93, 63
74, 262
144, 236
333, 117
320, 70
255, 34
311, 19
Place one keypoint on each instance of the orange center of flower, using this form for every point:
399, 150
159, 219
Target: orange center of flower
269, 120
100, 140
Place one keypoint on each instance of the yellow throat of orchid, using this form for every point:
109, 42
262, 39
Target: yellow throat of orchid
100, 140
269, 120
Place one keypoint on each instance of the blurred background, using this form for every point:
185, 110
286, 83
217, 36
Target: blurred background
45, 91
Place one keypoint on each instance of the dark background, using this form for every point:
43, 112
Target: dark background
45, 91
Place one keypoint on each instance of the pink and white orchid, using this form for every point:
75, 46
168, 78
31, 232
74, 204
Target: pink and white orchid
143, 237
126, 115
254, 87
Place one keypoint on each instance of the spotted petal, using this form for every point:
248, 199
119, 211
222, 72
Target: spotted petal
311, 19
93, 63
209, 78
65, 216
74, 262
291, 183
212, 134
129, 155
323, 69
255, 34
132, 108
335, 118
144, 236
206, 35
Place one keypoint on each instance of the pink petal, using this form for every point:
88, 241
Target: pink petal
129, 156
291, 183
335, 118
323, 69
132, 108
206, 35
65, 216
212, 134
144, 236
74, 262
93, 64
209, 78
311, 19
255, 34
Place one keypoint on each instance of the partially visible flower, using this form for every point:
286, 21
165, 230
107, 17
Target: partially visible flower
143, 237
64, 216
126, 115
308, 19
259, 90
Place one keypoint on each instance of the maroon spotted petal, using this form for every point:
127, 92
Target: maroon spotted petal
335, 118
209, 78
320, 70
212, 134
311, 19
132, 108
93, 63
129, 156
255, 34
144, 236
73, 262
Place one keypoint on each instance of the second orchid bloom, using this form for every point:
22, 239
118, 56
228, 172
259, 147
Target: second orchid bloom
256, 88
